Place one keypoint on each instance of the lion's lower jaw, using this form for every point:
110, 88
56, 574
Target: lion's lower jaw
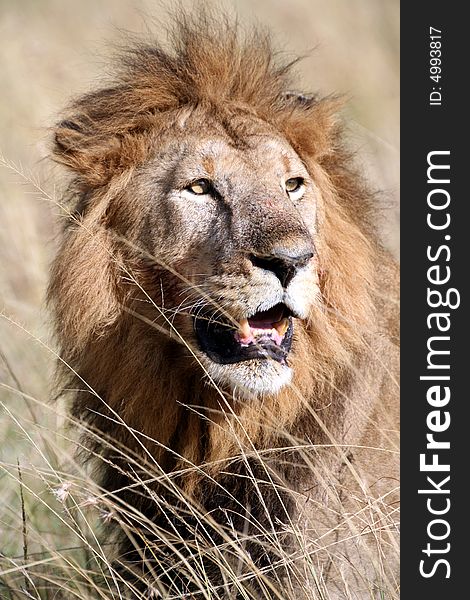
258, 377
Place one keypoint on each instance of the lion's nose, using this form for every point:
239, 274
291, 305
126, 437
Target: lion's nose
283, 262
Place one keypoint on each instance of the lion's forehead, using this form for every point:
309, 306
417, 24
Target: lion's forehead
260, 152
260, 155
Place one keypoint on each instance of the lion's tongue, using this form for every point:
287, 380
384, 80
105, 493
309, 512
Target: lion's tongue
270, 323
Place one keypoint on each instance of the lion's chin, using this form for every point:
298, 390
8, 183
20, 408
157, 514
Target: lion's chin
257, 377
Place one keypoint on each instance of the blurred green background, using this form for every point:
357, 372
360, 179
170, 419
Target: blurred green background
54, 49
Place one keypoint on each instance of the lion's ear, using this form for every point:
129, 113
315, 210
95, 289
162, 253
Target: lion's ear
298, 99
312, 123
91, 154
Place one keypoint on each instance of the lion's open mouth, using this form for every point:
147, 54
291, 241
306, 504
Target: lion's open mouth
266, 334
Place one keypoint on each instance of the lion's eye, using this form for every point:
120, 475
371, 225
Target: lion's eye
200, 187
295, 184
295, 187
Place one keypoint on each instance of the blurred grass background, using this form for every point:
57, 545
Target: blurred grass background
54, 49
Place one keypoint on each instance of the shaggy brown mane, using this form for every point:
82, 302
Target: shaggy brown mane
209, 64
133, 386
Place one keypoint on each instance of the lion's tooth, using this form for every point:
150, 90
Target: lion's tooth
244, 329
282, 326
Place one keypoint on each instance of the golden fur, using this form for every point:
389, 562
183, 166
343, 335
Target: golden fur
114, 275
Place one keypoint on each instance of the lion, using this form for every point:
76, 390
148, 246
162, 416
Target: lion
227, 323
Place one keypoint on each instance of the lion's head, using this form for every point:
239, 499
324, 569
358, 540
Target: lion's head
218, 233
233, 211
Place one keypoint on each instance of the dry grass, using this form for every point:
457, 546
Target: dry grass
51, 513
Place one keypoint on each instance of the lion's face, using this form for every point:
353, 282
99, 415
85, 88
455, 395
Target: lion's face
233, 214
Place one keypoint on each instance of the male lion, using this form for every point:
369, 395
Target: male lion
229, 319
